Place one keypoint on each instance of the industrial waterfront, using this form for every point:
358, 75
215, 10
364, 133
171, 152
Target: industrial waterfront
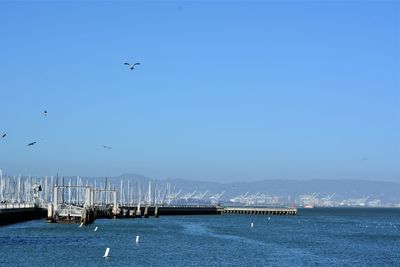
82, 200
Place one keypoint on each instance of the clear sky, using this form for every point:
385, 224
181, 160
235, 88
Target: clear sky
226, 91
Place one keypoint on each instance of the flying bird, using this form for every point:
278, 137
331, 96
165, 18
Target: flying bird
31, 144
108, 147
4, 135
132, 66
45, 113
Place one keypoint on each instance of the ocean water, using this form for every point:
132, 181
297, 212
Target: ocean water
315, 237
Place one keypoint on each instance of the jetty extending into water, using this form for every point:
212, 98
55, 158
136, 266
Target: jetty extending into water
168, 210
15, 215
127, 212
259, 211
88, 215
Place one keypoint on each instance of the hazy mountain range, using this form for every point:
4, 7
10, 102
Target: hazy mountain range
343, 188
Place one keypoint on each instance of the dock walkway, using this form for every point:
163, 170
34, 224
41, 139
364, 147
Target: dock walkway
260, 211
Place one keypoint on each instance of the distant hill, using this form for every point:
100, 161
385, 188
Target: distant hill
343, 188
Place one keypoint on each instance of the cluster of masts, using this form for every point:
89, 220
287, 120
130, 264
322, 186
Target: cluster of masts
164, 194
40, 191
17, 190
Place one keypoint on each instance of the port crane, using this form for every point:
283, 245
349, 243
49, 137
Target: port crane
214, 199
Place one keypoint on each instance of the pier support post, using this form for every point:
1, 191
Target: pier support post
156, 212
138, 212
50, 210
115, 208
88, 197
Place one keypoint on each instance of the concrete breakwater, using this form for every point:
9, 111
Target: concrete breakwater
156, 211
260, 211
126, 212
15, 215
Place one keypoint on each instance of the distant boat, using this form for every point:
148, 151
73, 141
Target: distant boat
308, 206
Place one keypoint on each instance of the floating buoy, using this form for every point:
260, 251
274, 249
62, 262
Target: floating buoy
269, 218
252, 224
81, 225
95, 229
106, 253
137, 239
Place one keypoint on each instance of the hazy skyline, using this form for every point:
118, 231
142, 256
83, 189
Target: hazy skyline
226, 91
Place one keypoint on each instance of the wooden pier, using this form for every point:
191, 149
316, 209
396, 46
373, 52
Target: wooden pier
260, 211
132, 212
167, 210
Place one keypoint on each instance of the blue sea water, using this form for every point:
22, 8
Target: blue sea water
315, 237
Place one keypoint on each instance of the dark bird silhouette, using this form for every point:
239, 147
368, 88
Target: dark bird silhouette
31, 144
108, 147
132, 66
45, 113
4, 135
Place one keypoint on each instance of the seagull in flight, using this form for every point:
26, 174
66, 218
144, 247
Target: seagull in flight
131, 66
31, 144
4, 135
108, 147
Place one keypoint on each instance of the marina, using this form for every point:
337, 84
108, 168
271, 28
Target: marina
76, 201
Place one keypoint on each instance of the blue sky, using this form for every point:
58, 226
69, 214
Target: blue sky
226, 91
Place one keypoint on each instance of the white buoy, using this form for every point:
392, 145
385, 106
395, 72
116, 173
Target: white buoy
81, 225
95, 229
252, 225
106, 253
137, 239
269, 218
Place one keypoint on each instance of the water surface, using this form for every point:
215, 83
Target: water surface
342, 237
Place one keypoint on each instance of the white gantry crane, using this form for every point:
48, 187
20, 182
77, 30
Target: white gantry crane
215, 198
